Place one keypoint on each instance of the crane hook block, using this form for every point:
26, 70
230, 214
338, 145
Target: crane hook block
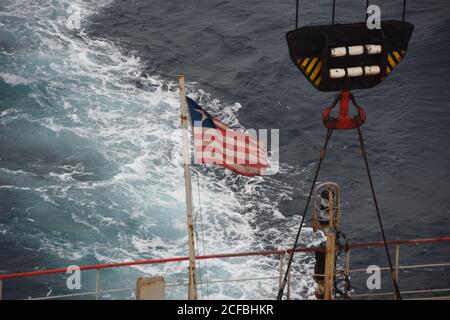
350, 56
344, 120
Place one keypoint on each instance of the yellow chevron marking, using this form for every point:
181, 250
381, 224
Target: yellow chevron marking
305, 62
311, 64
397, 55
319, 79
316, 71
391, 61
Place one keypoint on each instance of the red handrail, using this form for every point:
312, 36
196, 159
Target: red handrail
217, 256
394, 242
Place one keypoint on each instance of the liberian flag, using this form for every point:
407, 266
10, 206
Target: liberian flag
215, 143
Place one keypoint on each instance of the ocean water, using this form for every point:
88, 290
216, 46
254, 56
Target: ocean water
90, 155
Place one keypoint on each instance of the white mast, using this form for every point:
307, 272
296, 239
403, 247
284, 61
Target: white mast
192, 288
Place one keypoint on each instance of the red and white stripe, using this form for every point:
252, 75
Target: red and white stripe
235, 150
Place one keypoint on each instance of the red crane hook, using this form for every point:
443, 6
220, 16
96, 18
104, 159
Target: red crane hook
344, 121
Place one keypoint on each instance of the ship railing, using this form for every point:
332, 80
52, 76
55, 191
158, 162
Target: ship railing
282, 255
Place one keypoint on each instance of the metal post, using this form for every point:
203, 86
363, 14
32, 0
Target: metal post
1, 285
397, 260
347, 262
329, 266
192, 288
280, 269
97, 284
288, 293
347, 267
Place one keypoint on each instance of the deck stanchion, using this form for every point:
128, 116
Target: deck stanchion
397, 261
289, 284
97, 284
280, 269
347, 262
330, 266
347, 267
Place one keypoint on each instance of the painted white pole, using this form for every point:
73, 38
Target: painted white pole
192, 287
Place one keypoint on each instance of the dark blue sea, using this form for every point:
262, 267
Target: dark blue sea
90, 152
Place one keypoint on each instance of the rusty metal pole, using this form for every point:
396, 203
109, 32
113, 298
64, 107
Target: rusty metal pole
330, 252
192, 288
329, 265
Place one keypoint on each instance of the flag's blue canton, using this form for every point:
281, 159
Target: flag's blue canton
199, 115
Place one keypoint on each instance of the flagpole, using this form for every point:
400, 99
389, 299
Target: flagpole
192, 287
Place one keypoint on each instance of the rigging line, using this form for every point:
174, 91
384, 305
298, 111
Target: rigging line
203, 233
404, 10
363, 153
334, 10
367, 6
296, 14
291, 256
